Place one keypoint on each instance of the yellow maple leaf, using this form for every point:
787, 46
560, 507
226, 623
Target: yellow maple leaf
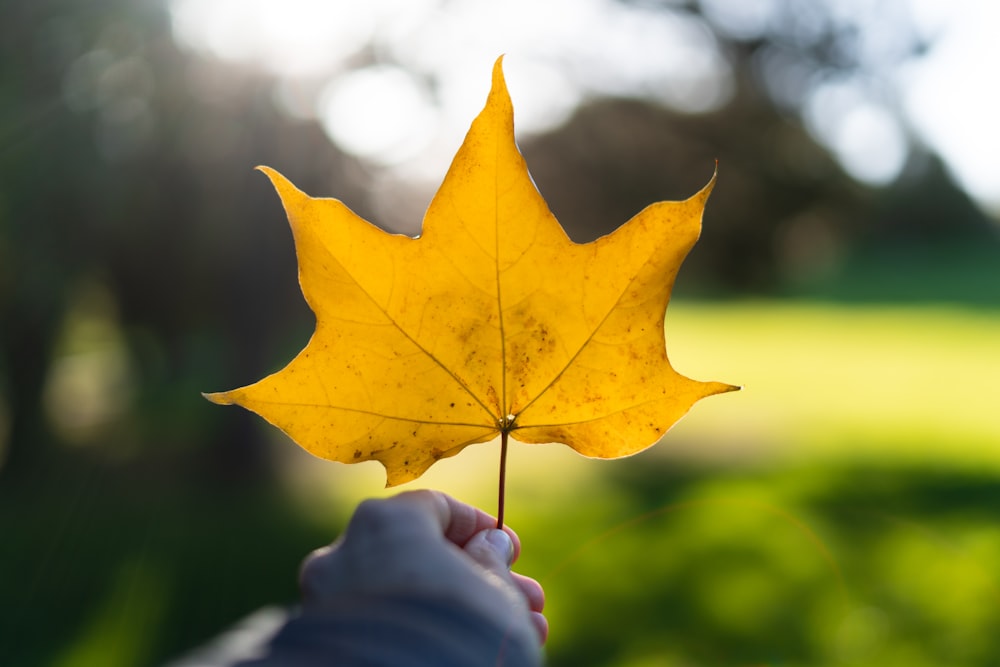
491, 322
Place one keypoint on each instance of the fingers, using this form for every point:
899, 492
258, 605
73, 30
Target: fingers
533, 593
317, 575
531, 590
494, 550
541, 625
458, 521
491, 548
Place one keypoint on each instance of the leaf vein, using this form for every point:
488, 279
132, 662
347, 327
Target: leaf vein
486, 427
407, 335
590, 336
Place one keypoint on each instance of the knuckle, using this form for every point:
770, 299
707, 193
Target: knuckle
373, 516
384, 526
315, 571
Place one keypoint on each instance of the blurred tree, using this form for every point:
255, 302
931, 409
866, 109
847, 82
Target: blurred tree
36, 259
126, 161
630, 153
786, 210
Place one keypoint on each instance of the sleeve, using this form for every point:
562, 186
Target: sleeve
395, 631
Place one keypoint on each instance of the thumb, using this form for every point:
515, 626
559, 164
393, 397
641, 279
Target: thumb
492, 548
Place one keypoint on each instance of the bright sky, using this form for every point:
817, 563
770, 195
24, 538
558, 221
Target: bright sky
559, 52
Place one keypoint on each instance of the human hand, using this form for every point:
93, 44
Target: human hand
426, 543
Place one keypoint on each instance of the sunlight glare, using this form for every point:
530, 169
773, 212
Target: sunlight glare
570, 50
870, 144
865, 137
953, 101
563, 52
742, 20
666, 57
290, 38
381, 113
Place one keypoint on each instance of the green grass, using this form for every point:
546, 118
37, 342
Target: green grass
825, 565
894, 382
844, 509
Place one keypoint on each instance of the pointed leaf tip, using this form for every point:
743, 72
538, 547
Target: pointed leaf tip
282, 185
499, 94
218, 397
708, 187
270, 172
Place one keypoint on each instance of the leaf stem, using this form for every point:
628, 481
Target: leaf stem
503, 476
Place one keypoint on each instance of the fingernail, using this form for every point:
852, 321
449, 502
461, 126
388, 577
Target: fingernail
501, 544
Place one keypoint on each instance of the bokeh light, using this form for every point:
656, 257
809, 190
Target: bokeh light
570, 51
947, 97
378, 112
864, 135
566, 53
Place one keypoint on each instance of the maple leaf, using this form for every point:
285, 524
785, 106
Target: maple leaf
491, 322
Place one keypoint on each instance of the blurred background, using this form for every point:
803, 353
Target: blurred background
844, 509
